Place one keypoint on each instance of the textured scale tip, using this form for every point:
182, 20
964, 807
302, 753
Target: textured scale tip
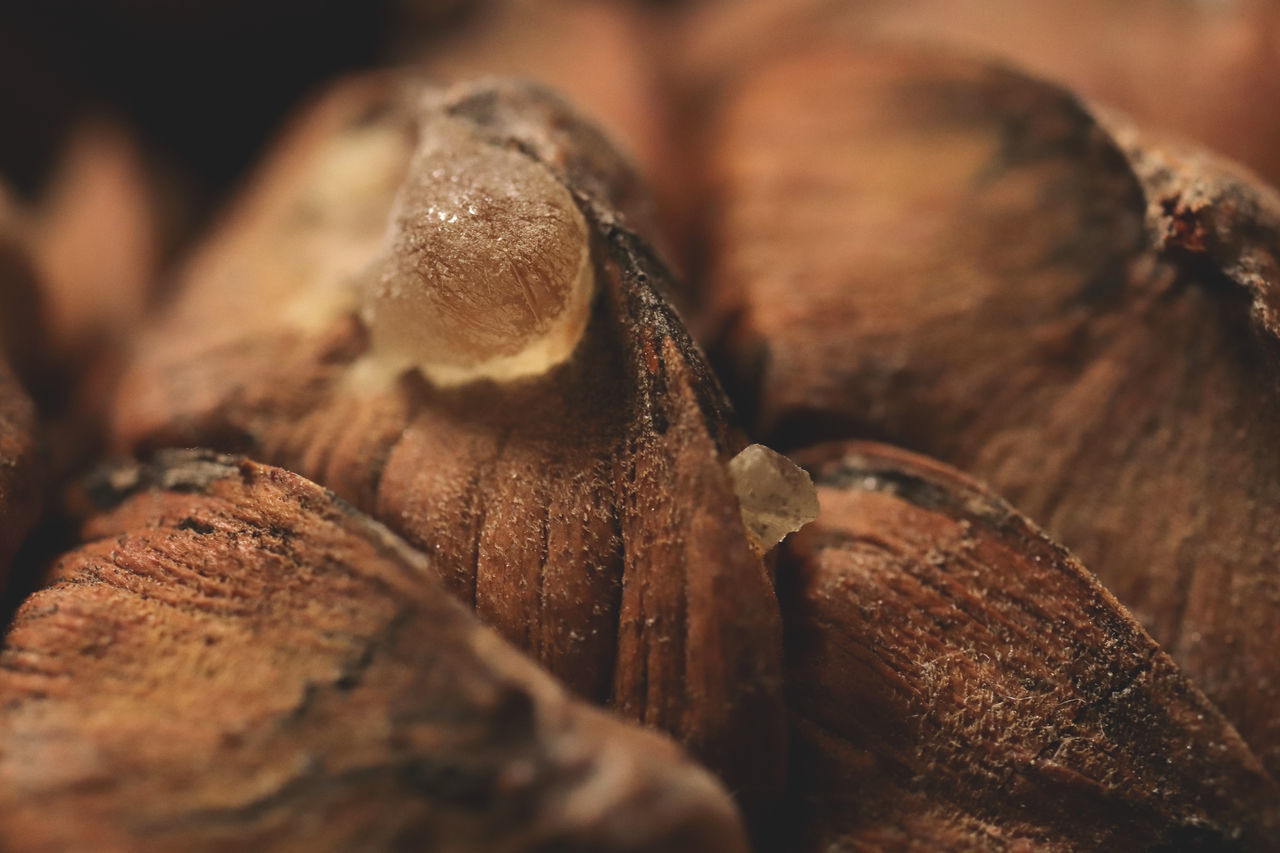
487, 273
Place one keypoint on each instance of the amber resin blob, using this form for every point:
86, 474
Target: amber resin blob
487, 271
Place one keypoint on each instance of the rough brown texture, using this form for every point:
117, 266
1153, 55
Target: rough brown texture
980, 274
587, 513
960, 682
238, 660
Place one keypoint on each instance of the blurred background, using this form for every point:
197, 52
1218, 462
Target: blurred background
196, 88
129, 123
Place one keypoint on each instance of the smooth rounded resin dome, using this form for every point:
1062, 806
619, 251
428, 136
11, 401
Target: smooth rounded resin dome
488, 271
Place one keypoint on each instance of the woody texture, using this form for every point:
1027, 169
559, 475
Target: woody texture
640, 426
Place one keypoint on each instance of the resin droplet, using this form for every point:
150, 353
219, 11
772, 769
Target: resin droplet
488, 271
776, 496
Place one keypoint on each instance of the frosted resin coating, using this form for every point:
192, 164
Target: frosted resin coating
487, 273
776, 496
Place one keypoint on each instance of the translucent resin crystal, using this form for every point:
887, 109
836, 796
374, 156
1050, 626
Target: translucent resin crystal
776, 496
487, 272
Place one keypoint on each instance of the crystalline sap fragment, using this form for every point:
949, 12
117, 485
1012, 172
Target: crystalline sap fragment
776, 496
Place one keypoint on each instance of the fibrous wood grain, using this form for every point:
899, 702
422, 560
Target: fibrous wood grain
982, 272
959, 682
236, 659
587, 513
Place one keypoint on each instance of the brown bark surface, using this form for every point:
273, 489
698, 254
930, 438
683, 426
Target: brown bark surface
958, 682
236, 659
978, 271
586, 513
